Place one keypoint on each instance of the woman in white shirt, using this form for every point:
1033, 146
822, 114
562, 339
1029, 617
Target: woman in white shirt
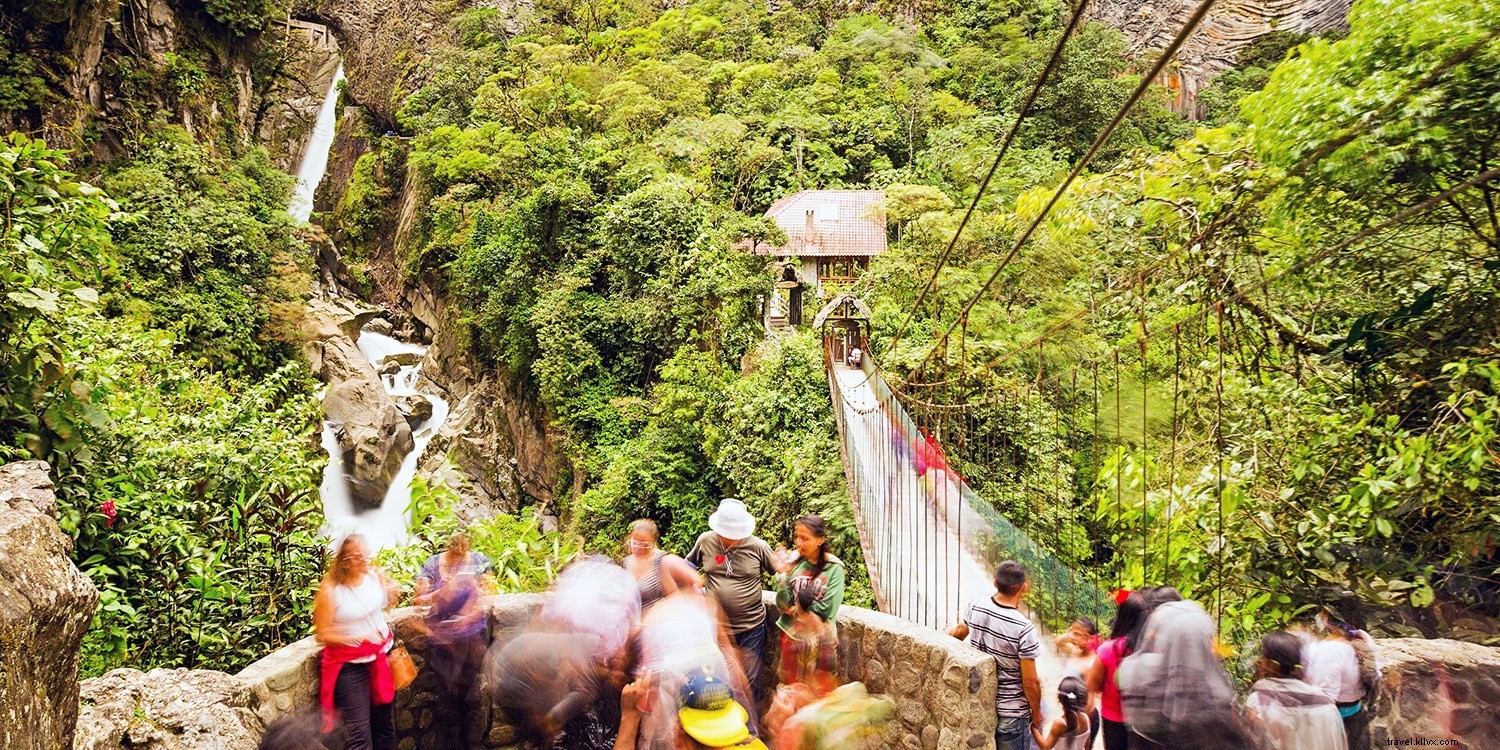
1332, 665
349, 621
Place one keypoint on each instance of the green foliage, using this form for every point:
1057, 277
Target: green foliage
211, 477
525, 558
55, 235
1353, 448
213, 556
22, 85
245, 17
205, 251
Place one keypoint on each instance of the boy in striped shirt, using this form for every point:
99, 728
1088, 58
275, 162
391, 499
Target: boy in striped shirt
997, 627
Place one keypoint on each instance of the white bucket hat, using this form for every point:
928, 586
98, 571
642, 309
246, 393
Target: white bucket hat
731, 520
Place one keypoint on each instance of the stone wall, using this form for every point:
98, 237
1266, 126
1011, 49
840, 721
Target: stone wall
1438, 690
944, 690
45, 607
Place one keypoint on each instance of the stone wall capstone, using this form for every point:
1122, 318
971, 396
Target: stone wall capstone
943, 689
1437, 690
45, 608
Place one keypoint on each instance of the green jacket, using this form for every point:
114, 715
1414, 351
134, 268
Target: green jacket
827, 607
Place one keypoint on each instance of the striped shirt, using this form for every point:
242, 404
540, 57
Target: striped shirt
1008, 637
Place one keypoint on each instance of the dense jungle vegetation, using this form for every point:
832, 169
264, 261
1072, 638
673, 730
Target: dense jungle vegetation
583, 184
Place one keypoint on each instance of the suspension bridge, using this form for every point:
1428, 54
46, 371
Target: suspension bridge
954, 464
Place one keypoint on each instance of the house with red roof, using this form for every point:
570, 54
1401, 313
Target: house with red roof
830, 237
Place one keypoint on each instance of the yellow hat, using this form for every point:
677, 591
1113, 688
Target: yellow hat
708, 712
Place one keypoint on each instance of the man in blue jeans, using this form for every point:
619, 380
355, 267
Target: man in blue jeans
997, 627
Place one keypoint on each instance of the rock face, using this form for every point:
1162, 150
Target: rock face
499, 438
1437, 690
373, 434
1229, 27
45, 607
385, 42
168, 709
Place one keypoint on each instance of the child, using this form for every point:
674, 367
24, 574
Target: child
1071, 730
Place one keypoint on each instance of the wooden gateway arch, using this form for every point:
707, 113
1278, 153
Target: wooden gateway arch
845, 324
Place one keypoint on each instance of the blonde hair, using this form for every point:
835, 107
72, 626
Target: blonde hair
644, 524
338, 563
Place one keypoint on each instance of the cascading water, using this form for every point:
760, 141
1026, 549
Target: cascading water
315, 160
387, 525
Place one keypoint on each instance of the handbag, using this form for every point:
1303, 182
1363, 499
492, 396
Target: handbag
403, 669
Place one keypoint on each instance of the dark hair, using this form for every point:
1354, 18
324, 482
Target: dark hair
1283, 651
1088, 625
1010, 576
1072, 706
807, 590
1158, 595
1130, 620
818, 528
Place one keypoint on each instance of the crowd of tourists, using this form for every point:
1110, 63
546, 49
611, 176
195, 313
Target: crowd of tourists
661, 652
651, 652
1157, 682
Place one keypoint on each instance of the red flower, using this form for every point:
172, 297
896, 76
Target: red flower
720, 559
1120, 596
108, 509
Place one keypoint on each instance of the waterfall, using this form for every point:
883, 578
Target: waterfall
385, 526
315, 160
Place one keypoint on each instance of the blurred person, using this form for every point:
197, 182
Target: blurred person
594, 596
1071, 730
734, 563
810, 539
298, 731
356, 687
451, 584
680, 636
1080, 644
1290, 713
1173, 688
1331, 664
809, 645
849, 718
997, 627
657, 573
708, 716
1101, 677
548, 680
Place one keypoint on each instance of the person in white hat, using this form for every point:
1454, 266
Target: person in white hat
734, 563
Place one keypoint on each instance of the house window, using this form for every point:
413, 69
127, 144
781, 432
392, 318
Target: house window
841, 269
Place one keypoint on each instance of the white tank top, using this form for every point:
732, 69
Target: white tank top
359, 611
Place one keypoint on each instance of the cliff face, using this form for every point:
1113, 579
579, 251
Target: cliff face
107, 70
1231, 26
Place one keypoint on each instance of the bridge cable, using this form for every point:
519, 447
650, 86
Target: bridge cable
1147, 81
984, 184
1241, 292
1358, 126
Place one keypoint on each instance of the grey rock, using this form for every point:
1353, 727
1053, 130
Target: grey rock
168, 709
45, 607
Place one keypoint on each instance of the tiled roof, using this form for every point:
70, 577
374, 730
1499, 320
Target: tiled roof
844, 223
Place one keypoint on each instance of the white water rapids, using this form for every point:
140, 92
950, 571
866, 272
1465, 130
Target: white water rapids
387, 525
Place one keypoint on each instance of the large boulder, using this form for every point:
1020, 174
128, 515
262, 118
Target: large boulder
373, 435
45, 607
168, 709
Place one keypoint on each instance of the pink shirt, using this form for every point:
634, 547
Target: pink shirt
1110, 655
